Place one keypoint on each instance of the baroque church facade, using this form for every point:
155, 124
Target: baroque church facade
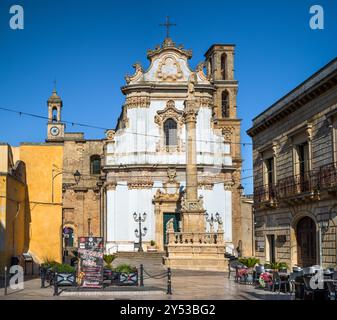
145, 156
140, 166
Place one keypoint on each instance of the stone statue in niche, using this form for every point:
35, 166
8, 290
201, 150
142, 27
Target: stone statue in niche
191, 86
170, 225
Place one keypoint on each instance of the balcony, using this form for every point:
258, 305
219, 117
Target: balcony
298, 187
265, 196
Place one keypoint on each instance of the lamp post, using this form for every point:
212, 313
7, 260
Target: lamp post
77, 178
211, 220
140, 233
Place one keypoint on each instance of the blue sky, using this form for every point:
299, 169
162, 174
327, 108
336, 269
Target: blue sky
88, 46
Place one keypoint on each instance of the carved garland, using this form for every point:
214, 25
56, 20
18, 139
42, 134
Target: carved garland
138, 102
170, 112
140, 183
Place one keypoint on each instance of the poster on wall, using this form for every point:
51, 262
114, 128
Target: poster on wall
90, 251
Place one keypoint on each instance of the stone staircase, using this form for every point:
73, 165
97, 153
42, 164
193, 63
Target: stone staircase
140, 255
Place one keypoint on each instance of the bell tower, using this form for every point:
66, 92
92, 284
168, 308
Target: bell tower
55, 128
220, 69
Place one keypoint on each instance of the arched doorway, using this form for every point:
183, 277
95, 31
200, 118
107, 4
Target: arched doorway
306, 237
68, 234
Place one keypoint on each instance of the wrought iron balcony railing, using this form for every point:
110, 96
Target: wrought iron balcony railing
311, 183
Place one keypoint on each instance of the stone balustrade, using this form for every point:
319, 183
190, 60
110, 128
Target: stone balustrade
196, 238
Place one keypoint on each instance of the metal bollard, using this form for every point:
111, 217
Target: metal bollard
236, 274
55, 284
141, 276
5, 280
169, 284
43, 272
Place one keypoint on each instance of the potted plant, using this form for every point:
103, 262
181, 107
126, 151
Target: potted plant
47, 271
282, 267
108, 259
65, 274
108, 270
126, 274
265, 280
250, 263
273, 266
152, 246
277, 266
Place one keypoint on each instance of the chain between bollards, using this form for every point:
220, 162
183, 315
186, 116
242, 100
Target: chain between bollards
169, 283
141, 276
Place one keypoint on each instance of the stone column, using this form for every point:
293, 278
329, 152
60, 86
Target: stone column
192, 206
191, 161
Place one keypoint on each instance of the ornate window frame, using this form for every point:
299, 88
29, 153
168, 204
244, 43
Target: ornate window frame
170, 112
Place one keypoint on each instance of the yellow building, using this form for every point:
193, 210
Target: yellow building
31, 201
13, 235
44, 195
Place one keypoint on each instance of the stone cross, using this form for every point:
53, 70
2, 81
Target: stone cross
167, 24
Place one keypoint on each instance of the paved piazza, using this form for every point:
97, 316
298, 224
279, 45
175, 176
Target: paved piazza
190, 285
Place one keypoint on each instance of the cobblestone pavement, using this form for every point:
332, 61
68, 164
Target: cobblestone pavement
191, 285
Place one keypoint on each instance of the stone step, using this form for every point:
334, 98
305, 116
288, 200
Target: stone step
140, 255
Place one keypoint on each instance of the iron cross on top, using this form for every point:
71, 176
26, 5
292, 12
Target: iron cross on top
167, 24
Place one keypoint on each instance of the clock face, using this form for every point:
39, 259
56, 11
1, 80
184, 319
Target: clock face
54, 131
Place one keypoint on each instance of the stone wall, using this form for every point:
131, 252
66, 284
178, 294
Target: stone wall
82, 201
314, 120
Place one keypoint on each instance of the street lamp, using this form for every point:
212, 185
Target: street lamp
324, 225
77, 176
140, 233
211, 220
241, 188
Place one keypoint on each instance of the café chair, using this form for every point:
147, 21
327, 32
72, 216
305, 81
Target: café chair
277, 281
332, 290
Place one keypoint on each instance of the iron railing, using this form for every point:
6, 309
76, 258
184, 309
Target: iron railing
312, 182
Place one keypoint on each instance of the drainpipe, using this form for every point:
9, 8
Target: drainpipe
320, 246
16, 215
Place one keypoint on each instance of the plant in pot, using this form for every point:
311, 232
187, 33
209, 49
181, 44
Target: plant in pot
108, 269
65, 274
276, 266
250, 263
283, 267
127, 274
47, 271
152, 246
